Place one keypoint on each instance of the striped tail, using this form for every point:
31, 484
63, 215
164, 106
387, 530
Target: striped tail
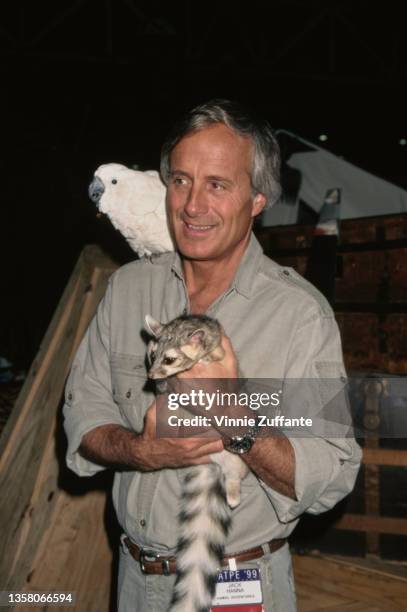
204, 524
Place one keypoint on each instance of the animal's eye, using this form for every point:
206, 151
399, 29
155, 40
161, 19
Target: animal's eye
169, 360
114, 181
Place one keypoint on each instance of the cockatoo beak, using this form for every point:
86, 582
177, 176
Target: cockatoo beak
96, 190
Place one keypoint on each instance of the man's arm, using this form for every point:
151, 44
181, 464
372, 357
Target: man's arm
98, 436
272, 458
304, 473
115, 446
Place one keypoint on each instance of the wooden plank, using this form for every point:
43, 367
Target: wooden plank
40, 365
36, 519
372, 505
384, 456
377, 524
392, 568
24, 481
357, 585
310, 599
20, 463
343, 606
92, 256
95, 257
76, 541
372, 392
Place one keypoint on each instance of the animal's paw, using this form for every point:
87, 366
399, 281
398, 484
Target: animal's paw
233, 493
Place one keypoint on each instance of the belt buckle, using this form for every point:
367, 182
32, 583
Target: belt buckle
150, 556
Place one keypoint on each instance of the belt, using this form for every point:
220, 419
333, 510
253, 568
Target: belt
153, 563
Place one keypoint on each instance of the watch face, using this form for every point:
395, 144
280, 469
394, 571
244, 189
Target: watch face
240, 444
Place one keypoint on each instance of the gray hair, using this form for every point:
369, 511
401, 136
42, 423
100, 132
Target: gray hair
265, 174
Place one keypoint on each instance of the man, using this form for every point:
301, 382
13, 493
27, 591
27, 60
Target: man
221, 168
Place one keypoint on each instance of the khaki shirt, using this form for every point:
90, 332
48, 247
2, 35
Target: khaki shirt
280, 327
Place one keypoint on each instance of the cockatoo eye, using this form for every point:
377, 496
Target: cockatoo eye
114, 181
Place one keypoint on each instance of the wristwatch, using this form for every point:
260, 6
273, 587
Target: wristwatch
241, 444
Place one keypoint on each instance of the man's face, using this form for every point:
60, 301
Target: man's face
210, 205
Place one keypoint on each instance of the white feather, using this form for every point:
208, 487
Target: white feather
135, 204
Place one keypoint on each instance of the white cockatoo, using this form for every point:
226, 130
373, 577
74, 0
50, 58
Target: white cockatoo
134, 201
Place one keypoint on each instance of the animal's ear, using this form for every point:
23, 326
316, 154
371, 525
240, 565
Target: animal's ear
195, 342
196, 338
153, 326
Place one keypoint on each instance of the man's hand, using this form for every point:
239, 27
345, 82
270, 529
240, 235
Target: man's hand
271, 458
174, 452
116, 447
227, 367
210, 378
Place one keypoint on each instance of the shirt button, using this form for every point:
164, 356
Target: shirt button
128, 394
142, 523
70, 396
286, 272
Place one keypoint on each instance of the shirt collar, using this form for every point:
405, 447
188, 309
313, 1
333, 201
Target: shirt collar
246, 272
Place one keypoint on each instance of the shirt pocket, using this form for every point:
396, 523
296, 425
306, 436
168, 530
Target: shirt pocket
132, 390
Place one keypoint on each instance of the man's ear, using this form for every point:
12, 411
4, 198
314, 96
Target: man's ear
259, 203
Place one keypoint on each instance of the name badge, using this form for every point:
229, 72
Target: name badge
238, 591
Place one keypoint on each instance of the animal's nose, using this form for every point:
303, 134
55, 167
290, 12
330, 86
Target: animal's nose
96, 189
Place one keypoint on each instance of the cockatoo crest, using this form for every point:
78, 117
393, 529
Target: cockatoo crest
134, 201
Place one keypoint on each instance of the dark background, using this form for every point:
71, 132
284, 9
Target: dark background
86, 82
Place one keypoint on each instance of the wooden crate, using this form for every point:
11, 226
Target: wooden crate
371, 309
370, 286
372, 520
365, 231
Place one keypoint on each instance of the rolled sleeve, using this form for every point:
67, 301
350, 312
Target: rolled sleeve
88, 393
325, 472
325, 467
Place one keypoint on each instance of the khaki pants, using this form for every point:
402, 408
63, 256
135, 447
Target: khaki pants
138, 592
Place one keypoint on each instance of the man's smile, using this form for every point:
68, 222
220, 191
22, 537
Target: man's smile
197, 228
